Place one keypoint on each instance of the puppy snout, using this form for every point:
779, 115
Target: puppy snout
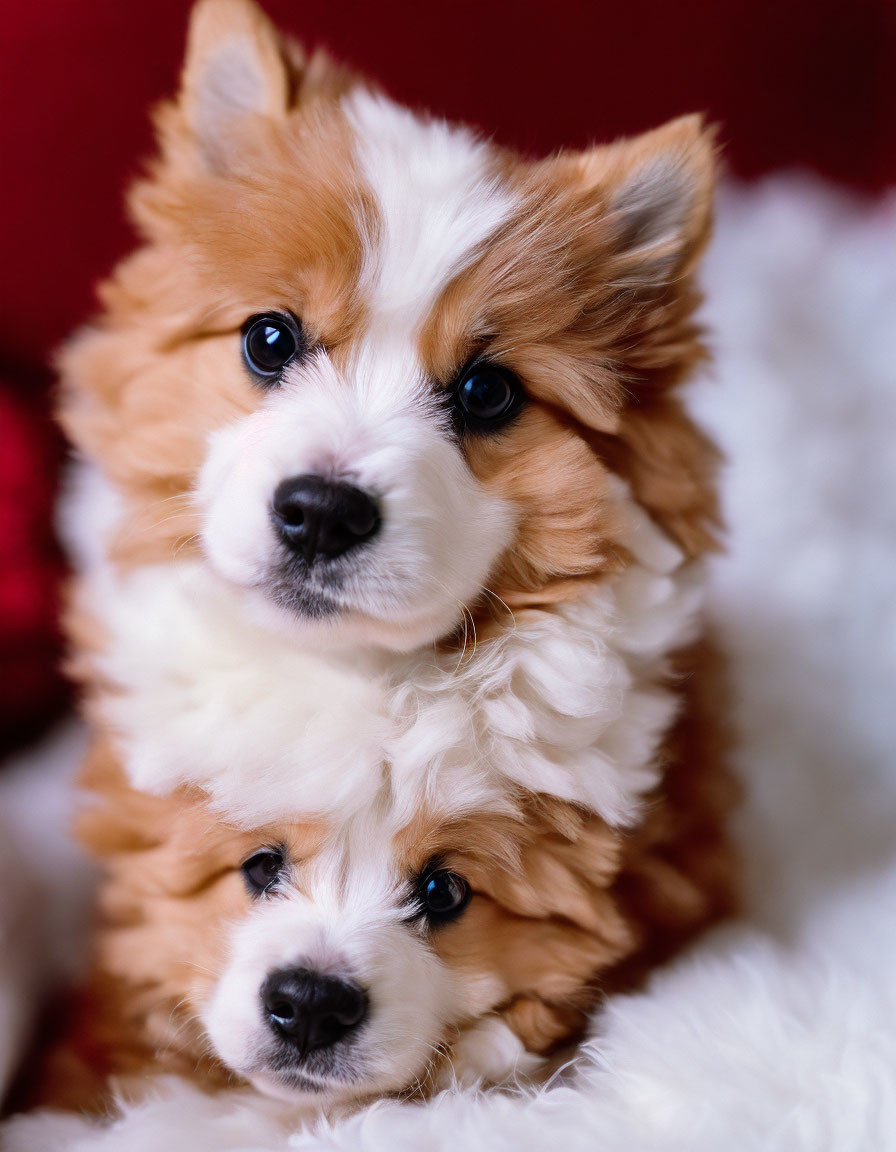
310, 1010
317, 517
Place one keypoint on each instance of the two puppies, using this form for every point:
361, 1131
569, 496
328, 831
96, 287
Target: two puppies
388, 607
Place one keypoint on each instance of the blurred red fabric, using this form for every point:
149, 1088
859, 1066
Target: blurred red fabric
30, 569
791, 82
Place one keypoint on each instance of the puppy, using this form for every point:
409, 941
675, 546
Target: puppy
390, 517
327, 963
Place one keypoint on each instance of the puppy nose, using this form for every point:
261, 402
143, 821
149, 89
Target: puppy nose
310, 1010
320, 517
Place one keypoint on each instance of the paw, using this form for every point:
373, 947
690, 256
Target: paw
487, 1053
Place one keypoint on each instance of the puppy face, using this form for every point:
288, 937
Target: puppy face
347, 962
344, 496
358, 342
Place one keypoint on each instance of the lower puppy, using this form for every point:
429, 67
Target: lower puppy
329, 963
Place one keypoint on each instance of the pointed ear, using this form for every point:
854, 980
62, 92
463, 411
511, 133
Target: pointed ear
236, 66
656, 192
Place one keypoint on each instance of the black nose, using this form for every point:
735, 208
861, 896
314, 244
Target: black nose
310, 1010
320, 517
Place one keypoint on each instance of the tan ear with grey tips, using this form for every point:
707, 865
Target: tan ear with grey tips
658, 194
236, 66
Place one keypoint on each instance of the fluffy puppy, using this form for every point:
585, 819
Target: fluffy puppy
388, 500
328, 963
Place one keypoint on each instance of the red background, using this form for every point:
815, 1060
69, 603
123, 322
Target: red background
792, 82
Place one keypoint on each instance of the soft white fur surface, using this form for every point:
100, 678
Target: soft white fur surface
46, 886
779, 1032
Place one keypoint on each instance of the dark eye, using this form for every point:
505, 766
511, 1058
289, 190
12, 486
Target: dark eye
262, 870
443, 895
270, 342
488, 395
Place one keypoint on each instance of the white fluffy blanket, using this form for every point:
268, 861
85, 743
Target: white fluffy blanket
777, 1033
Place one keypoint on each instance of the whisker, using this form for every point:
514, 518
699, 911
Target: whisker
419, 1084
164, 520
183, 544
201, 968
504, 604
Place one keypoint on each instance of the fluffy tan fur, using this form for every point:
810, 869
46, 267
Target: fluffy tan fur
602, 363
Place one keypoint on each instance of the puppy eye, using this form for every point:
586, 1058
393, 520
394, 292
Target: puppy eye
443, 895
261, 871
487, 396
270, 341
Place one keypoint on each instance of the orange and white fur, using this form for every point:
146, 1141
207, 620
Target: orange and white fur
389, 526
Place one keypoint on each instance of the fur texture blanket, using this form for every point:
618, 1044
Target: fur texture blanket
778, 1032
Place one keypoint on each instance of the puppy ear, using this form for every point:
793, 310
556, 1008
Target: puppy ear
236, 66
656, 199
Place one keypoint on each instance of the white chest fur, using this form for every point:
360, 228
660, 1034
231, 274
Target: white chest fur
568, 701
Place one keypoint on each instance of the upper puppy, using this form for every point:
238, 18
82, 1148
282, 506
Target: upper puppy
390, 469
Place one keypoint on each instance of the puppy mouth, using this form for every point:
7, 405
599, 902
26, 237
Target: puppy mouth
348, 586
297, 1082
300, 600
387, 601
286, 1085
283, 1076
308, 590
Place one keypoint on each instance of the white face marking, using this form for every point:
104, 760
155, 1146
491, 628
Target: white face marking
437, 202
375, 423
343, 915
